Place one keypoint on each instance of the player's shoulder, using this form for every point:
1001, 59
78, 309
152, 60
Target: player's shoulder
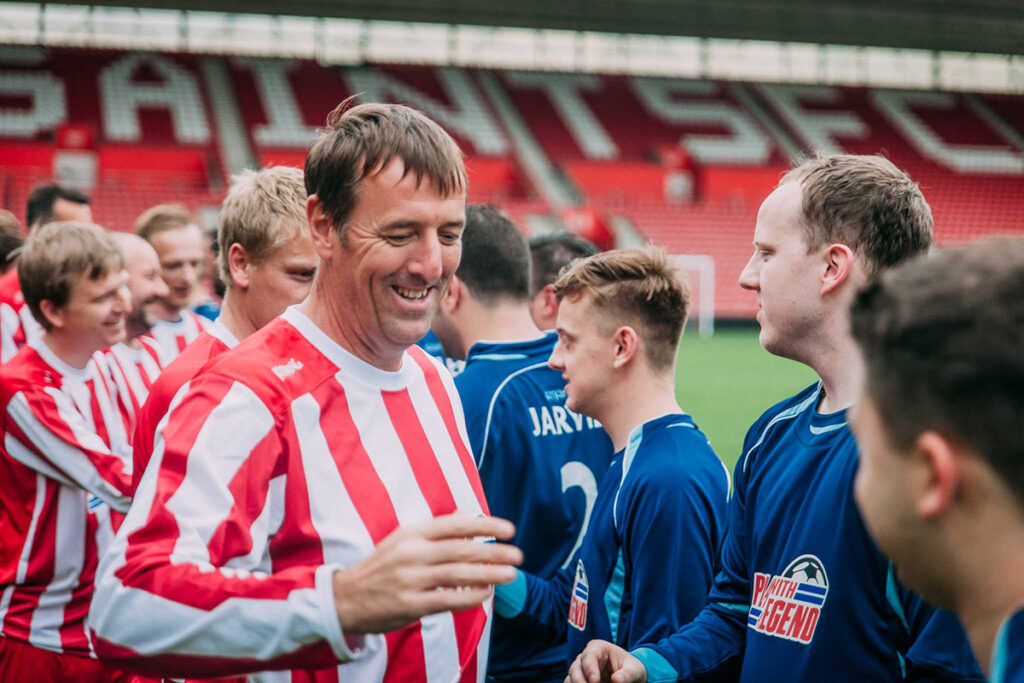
670, 449
26, 371
10, 289
187, 365
786, 408
277, 364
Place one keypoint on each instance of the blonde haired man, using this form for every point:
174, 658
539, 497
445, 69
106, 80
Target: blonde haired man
178, 241
63, 454
660, 509
267, 262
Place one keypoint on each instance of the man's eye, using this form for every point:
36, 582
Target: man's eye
451, 237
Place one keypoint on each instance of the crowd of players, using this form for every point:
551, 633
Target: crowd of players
295, 488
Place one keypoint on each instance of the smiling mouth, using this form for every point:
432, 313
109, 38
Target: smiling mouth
412, 294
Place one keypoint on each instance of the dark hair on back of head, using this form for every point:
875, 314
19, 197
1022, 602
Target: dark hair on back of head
495, 263
40, 202
943, 342
551, 253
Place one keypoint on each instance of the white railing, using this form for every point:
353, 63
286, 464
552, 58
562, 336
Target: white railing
349, 41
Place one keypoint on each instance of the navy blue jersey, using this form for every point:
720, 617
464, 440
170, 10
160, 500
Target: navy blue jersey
648, 558
1008, 655
803, 593
432, 345
540, 465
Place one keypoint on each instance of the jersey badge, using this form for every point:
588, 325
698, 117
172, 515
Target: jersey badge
580, 593
789, 605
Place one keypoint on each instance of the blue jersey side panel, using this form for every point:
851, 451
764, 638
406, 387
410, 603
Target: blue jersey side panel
803, 591
540, 465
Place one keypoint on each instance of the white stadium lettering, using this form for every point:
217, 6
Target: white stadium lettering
744, 143
284, 126
467, 116
178, 93
819, 129
897, 107
565, 92
49, 105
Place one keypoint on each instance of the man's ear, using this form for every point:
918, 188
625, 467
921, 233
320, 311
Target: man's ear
627, 346
936, 474
453, 297
53, 314
321, 227
550, 303
839, 265
238, 263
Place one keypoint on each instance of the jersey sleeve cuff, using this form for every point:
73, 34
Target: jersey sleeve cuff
658, 668
345, 647
510, 598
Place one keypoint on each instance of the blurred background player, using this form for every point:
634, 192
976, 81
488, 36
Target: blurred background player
10, 240
47, 203
539, 463
941, 480
292, 460
178, 242
649, 554
548, 255
53, 203
210, 293
62, 476
803, 592
269, 264
134, 364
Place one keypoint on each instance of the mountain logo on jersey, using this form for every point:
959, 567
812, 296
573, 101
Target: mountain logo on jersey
580, 593
789, 605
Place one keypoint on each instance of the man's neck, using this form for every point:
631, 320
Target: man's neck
68, 349
169, 313
636, 401
503, 323
839, 365
323, 309
233, 315
983, 603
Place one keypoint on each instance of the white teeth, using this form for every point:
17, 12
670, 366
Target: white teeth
411, 293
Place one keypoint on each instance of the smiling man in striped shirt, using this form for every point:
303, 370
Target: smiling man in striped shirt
64, 455
286, 521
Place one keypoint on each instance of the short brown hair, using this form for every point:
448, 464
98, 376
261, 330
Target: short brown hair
161, 218
943, 341
55, 255
360, 140
865, 202
262, 210
637, 287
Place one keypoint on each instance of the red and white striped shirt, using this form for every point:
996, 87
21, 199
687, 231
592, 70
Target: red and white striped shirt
133, 370
62, 489
210, 344
173, 337
286, 459
17, 324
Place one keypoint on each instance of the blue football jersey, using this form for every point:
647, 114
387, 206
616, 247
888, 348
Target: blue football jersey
540, 465
432, 345
1008, 655
648, 557
803, 594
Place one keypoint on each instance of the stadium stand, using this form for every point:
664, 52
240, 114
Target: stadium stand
682, 162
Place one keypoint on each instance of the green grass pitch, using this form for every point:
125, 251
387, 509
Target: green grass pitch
728, 380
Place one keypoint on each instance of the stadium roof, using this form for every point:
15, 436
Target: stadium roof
989, 26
